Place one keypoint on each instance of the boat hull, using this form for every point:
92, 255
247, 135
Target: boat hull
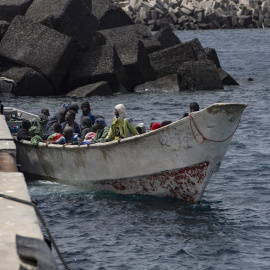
177, 160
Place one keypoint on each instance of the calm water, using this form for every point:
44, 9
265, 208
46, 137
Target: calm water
229, 227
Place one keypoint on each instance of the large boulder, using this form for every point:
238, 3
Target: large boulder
98, 64
167, 38
226, 78
95, 89
28, 82
198, 49
9, 9
168, 61
161, 85
128, 34
212, 55
39, 47
199, 75
135, 59
70, 17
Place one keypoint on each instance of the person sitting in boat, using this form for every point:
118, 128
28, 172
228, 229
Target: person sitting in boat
55, 138
86, 111
86, 126
141, 128
24, 133
70, 122
71, 106
194, 107
184, 115
120, 126
102, 131
41, 121
165, 123
58, 117
156, 125
69, 137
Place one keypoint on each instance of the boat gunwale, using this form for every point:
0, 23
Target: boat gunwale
209, 109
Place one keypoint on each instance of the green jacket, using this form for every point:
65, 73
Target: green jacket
124, 126
101, 135
41, 123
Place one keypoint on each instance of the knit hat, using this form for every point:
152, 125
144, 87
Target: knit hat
156, 125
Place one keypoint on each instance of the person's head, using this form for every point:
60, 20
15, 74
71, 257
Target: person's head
86, 122
45, 112
194, 107
185, 115
85, 107
62, 112
120, 111
141, 128
26, 124
73, 106
70, 116
150, 126
68, 133
156, 125
100, 123
165, 123
57, 128
94, 128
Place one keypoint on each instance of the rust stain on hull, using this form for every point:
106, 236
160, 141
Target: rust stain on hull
186, 183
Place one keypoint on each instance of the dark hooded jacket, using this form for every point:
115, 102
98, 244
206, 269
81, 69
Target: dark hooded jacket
86, 126
88, 112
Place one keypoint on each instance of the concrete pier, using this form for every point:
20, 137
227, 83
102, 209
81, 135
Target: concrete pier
15, 217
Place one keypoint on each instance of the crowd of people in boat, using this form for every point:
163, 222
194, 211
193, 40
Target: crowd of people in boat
62, 128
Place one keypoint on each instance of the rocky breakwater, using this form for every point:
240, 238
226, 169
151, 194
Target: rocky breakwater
195, 14
83, 48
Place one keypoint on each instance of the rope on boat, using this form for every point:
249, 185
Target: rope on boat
43, 223
191, 120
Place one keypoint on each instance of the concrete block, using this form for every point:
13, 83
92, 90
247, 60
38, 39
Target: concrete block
95, 89
39, 47
69, 17
226, 78
199, 75
212, 55
10, 9
167, 38
166, 62
3, 28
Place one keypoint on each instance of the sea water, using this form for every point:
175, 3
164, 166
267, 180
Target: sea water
228, 228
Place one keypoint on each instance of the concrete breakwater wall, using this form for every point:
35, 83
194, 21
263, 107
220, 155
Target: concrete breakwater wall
81, 48
195, 14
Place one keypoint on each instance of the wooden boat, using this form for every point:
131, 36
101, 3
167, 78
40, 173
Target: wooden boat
175, 161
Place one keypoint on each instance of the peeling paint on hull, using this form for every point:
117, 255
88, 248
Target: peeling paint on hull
187, 183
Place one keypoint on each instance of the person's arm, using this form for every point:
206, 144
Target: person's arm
132, 129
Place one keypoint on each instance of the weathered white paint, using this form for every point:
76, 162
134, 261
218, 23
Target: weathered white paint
140, 164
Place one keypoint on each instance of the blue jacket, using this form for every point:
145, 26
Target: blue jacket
77, 128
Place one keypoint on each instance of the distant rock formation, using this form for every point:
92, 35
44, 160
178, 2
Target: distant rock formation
82, 48
196, 14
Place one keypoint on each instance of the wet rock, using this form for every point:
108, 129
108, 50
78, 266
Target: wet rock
98, 64
250, 79
41, 48
128, 34
135, 59
163, 85
226, 78
166, 37
199, 75
70, 17
212, 55
28, 82
9, 9
6, 85
96, 89
166, 62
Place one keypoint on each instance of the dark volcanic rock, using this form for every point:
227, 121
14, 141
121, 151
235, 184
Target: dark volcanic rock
70, 17
28, 82
136, 62
39, 47
110, 16
95, 89
226, 78
199, 75
98, 64
128, 34
212, 55
167, 38
168, 61
9, 9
